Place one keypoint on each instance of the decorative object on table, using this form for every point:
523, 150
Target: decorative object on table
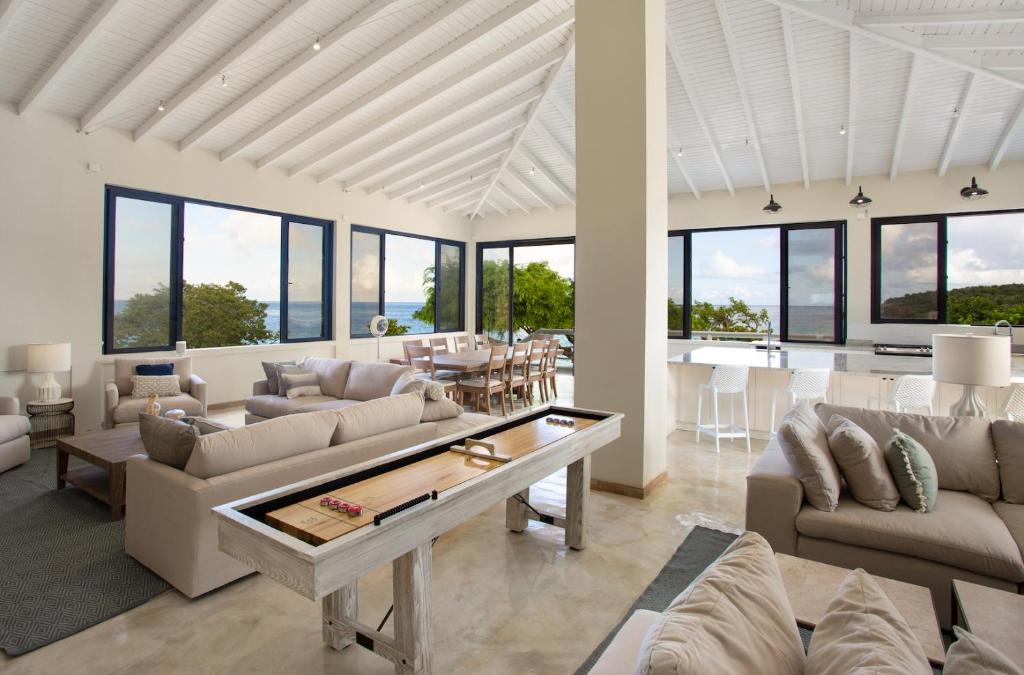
50, 420
973, 361
152, 405
860, 200
972, 192
49, 359
378, 329
144, 386
174, 414
180, 348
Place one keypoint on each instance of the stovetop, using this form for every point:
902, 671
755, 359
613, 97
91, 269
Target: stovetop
902, 350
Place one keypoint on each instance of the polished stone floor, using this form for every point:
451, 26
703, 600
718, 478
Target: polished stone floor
502, 602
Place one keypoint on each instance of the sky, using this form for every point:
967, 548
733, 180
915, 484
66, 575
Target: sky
560, 257
743, 264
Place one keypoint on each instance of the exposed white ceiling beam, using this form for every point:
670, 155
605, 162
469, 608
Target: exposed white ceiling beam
851, 115
8, 8
462, 205
221, 66
691, 94
531, 116
957, 125
430, 94
972, 42
494, 205
462, 167
537, 194
1004, 141
794, 85
901, 130
388, 48
939, 18
461, 155
563, 108
736, 59
677, 156
548, 174
456, 196
81, 40
433, 192
182, 31
565, 153
506, 194
327, 42
1001, 62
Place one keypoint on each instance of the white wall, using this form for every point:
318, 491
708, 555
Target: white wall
51, 245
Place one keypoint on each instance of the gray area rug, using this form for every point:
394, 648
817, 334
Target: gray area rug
62, 562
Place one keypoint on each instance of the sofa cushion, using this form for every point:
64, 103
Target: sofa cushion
296, 385
970, 655
377, 416
804, 441
272, 370
445, 409
963, 531
862, 463
125, 368
913, 470
333, 374
167, 441
272, 405
367, 381
733, 618
1009, 442
863, 632
13, 426
961, 447
243, 447
128, 409
1012, 516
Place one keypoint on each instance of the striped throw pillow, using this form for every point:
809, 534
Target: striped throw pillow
144, 386
300, 384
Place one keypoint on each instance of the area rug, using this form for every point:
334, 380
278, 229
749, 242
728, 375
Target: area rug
62, 562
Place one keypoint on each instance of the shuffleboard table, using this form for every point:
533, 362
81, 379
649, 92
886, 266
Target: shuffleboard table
319, 536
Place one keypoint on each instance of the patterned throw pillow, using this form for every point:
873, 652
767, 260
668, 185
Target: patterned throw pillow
913, 470
144, 386
300, 384
286, 369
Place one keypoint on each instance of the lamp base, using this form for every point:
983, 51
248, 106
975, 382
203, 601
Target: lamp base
969, 405
49, 390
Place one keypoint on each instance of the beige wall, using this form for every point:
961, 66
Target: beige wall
51, 240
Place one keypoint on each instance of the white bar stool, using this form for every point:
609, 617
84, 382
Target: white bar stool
1014, 410
805, 384
909, 392
731, 381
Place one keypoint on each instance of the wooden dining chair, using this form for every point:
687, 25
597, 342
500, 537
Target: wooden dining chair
482, 342
439, 345
422, 360
514, 375
487, 384
410, 343
551, 369
535, 366
464, 343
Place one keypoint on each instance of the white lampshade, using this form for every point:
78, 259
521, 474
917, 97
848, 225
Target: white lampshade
49, 358
982, 360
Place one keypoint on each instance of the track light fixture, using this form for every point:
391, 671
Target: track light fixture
160, 106
842, 130
223, 80
316, 44
860, 201
679, 152
772, 206
972, 192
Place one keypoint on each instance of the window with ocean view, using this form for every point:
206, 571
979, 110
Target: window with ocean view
211, 274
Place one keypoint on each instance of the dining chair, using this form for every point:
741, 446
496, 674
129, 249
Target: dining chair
805, 384
410, 343
551, 368
535, 366
731, 381
482, 342
514, 375
464, 343
491, 382
439, 345
422, 360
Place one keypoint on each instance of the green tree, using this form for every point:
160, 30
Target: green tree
394, 328
736, 317
675, 316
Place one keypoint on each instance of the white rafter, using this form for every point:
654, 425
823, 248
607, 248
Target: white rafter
851, 116
497, 207
506, 194
461, 167
972, 42
388, 48
794, 83
548, 174
462, 205
1001, 62
430, 94
676, 153
327, 42
433, 192
455, 156
563, 108
957, 125
1004, 140
736, 59
531, 116
939, 18
691, 94
537, 194
182, 31
221, 65
567, 155
81, 40
901, 130
456, 195
8, 8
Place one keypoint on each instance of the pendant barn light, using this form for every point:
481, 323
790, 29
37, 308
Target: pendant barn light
973, 192
772, 206
860, 201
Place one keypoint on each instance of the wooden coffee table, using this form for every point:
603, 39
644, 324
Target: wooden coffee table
993, 615
811, 585
107, 451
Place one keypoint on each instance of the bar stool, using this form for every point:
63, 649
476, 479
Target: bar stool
731, 381
1014, 410
909, 392
805, 384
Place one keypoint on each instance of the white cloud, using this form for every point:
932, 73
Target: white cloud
723, 266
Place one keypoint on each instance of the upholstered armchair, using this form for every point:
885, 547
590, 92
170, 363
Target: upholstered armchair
14, 428
121, 408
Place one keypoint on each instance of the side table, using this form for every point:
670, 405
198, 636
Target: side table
50, 420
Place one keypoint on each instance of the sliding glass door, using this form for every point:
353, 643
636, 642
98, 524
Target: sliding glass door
812, 301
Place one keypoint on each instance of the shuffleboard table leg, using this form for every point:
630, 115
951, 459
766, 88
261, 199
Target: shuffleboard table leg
577, 503
516, 518
413, 634
340, 608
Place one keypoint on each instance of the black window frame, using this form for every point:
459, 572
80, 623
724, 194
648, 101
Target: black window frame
177, 245
438, 242
941, 221
839, 319
511, 245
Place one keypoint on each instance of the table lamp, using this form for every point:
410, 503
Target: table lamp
973, 361
49, 359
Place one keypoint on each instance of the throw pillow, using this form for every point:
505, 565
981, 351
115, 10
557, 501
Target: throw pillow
913, 470
300, 384
862, 464
285, 369
367, 381
377, 417
733, 618
144, 386
1009, 443
204, 426
804, 441
970, 655
272, 369
445, 409
408, 384
154, 369
167, 441
863, 632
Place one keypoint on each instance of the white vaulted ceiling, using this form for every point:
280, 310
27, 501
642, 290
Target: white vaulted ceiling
468, 105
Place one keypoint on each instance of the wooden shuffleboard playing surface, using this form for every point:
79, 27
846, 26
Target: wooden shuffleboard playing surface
315, 524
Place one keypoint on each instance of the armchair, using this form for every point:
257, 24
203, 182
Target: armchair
14, 430
120, 408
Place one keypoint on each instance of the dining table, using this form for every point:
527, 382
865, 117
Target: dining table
461, 362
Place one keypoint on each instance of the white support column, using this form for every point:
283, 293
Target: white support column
621, 224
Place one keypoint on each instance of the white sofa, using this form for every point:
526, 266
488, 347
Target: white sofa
121, 409
14, 430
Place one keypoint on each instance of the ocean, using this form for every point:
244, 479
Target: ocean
362, 312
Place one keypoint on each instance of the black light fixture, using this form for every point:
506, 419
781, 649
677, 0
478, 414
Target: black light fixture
860, 201
973, 192
772, 206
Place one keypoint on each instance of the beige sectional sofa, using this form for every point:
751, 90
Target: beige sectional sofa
14, 434
974, 533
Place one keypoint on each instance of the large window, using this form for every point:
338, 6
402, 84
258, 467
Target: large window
732, 283
951, 268
416, 282
211, 274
